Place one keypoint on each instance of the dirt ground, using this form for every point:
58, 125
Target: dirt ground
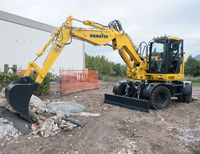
175, 129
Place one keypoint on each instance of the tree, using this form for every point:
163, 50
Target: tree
118, 68
192, 67
103, 66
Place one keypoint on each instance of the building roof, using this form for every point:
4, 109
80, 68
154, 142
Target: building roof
25, 22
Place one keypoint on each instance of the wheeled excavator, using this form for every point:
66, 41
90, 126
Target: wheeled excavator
155, 70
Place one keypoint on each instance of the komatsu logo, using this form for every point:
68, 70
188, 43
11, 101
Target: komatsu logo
98, 36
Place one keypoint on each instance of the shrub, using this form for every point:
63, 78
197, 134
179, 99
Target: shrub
43, 89
6, 78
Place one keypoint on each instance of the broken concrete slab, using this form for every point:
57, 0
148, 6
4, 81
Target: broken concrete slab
50, 115
18, 123
61, 108
49, 127
38, 103
3, 101
66, 126
7, 129
88, 114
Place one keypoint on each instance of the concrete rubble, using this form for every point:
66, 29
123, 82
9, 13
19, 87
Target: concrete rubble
50, 117
51, 113
61, 108
7, 130
3, 101
37, 103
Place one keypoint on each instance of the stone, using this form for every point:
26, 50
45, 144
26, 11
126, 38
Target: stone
66, 126
36, 136
3, 102
49, 127
88, 114
37, 103
61, 108
7, 129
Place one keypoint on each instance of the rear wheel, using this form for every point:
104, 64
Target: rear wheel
119, 88
160, 97
186, 91
185, 98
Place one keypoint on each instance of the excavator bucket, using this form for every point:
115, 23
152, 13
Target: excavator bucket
128, 102
18, 95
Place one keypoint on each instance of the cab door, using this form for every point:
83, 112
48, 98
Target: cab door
174, 56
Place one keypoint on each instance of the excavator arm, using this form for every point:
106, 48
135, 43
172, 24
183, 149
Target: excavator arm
99, 36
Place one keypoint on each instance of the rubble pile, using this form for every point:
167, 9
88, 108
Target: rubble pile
3, 101
7, 130
50, 117
51, 126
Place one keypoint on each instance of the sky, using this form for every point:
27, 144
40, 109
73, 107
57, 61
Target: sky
141, 19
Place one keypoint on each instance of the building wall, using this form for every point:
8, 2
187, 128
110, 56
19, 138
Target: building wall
19, 45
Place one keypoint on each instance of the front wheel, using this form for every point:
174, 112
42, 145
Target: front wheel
160, 97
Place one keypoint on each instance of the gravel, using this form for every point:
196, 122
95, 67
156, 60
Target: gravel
7, 129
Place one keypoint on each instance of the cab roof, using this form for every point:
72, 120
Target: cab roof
174, 38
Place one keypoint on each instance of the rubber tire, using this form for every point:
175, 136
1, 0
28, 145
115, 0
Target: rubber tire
119, 88
188, 99
181, 98
153, 98
185, 98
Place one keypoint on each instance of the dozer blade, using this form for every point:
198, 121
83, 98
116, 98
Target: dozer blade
18, 95
128, 102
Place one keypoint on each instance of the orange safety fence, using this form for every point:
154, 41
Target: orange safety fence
22, 72
73, 81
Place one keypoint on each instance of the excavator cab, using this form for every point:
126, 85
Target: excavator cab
165, 55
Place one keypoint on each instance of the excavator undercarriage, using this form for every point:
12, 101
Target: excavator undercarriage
146, 94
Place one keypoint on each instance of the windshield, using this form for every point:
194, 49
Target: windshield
157, 49
157, 58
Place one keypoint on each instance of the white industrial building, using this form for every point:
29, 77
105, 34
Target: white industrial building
21, 38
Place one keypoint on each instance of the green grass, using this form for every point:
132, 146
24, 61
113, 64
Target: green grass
195, 80
196, 106
111, 78
196, 84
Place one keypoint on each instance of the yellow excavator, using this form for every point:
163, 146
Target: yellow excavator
155, 69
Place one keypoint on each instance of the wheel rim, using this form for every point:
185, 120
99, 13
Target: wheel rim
160, 98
